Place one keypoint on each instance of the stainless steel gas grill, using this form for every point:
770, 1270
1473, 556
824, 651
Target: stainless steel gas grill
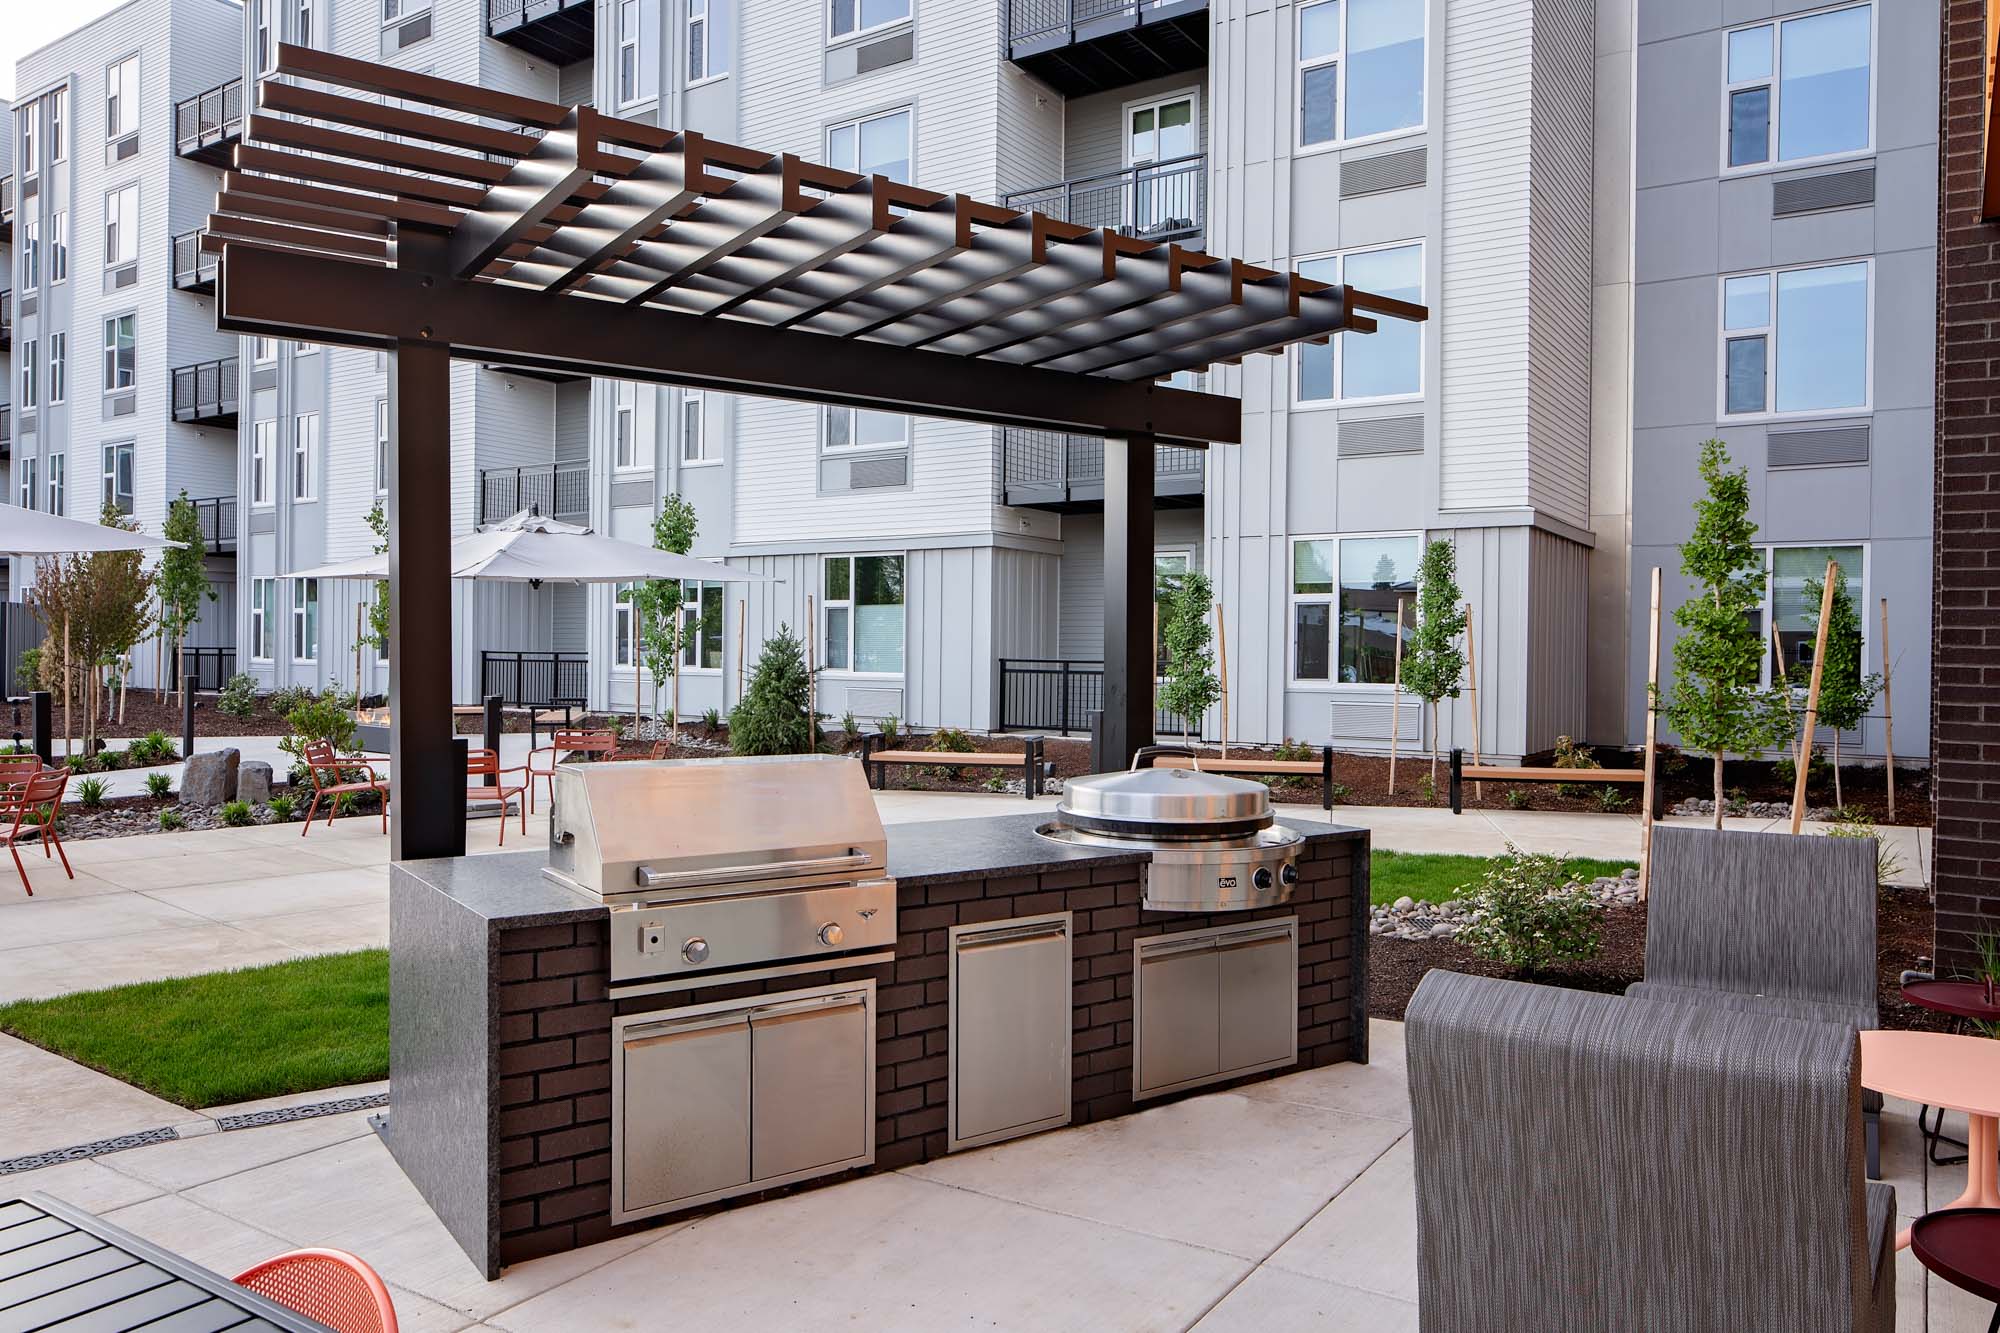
1216, 846
719, 865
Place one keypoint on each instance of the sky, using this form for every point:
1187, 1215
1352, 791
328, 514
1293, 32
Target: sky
28, 25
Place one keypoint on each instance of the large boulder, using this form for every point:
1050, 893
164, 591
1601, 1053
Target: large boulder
209, 777
253, 781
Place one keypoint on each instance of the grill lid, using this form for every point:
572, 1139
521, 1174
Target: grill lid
1166, 803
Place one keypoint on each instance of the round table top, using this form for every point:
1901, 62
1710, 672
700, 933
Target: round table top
1963, 999
1944, 1069
1962, 1246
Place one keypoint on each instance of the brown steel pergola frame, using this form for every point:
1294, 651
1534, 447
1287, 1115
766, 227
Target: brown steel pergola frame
612, 248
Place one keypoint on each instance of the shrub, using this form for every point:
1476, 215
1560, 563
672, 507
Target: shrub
1568, 754
1339, 792
1427, 788
281, 807
996, 783
951, 740
1819, 771
318, 718
81, 763
774, 716
888, 727
1294, 752
1611, 800
1888, 865
1528, 914
300, 775
288, 697
159, 784
28, 670
712, 719
236, 814
171, 819
1516, 799
345, 804
90, 792
849, 726
239, 696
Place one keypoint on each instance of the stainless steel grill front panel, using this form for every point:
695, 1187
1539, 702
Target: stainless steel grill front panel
675, 936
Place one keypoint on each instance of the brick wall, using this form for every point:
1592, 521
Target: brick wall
1965, 647
555, 1019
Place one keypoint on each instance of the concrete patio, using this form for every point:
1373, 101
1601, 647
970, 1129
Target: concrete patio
1142, 1223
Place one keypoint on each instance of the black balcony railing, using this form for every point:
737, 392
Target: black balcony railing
535, 680
1048, 694
6, 317
206, 124
218, 523
205, 393
558, 490
1046, 469
1087, 46
1160, 201
559, 31
194, 268
6, 208
208, 669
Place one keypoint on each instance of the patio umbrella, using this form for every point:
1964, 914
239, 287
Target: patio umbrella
531, 548
31, 532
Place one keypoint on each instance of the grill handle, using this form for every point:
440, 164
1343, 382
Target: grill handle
1144, 756
650, 878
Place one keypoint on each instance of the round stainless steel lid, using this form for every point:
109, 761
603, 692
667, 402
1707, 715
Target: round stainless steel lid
1180, 799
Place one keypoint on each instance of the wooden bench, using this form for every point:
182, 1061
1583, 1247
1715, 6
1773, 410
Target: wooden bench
1032, 761
1321, 768
1462, 772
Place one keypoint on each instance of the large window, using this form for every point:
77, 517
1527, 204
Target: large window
302, 22
121, 226
262, 40
381, 446
121, 353
305, 456
59, 125
58, 367
263, 452
1793, 610
1360, 71
28, 164
1344, 595
305, 620
118, 481
58, 483
857, 428
701, 627
1363, 367
121, 99
873, 145
628, 51
26, 470
624, 633
1796, 340
851, 18
625, 426
58, 245
31, 254
30, 397
1804, 82
695, 448
863, 614
263, 618
707, 50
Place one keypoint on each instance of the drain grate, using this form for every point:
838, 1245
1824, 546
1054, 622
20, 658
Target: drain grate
166, 1133
313, 1111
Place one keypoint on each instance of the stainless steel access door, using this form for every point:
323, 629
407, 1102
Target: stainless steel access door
682, 1111
1010, 1028
812, 1103
1214, 1004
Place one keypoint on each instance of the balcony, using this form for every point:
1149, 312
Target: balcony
6, 430
217, 514
558, 490
205, 393
207, 125
1087, 46
194, 269
6, 208
7, 318
558, 31
1045, 469
1160, 201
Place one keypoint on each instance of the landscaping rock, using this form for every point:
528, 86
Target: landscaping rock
210, 777
1406, 919
253, 781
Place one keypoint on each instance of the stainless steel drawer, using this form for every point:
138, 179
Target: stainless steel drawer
1214, 1004
1010, 1029
811, 1104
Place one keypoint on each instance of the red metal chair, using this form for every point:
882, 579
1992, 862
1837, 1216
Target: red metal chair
331, 1286
481, 765
567, 741
25, 803
18, 768
330, 781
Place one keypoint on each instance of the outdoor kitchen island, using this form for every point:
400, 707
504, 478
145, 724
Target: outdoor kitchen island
539, 1106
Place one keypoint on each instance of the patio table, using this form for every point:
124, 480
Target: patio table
62, 1266
1945, 1069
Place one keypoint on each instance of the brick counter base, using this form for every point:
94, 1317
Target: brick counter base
554, 1154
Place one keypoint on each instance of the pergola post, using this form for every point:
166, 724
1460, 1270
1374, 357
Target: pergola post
1128, 601
427, 806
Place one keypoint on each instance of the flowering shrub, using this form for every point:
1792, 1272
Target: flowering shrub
1528, 913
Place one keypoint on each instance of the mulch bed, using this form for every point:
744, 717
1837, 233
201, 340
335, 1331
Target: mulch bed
1902, 939
144, 713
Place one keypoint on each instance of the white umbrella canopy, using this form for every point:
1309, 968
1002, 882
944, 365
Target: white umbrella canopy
31, 532
531, 548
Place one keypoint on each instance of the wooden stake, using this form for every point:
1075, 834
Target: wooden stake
1784, 682
1888, 717
1222, 644
360, 609
1396, 698
1804, 765
1652, 739
67, 751
1472, 671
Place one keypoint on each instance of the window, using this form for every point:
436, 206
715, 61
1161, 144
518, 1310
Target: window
58, 367
697, 40
28, 164
263, 38
624, 638
305, 620
1168, 566
1810, 78
263, 350
1381, 45
118, 476
851, 18
863, 617
121, 354
694, 429
1388, 363
1796, 340
58, 125
628, 51
31, 254
121, 99
858, 428
302, 22
625, 426
58, 498
1344, 595
29, 400
58, 246
263, 618
305, 455
381, 446
29, 496
263, 449
701, 627
1788, 569
121, 226
874, 145
392, 10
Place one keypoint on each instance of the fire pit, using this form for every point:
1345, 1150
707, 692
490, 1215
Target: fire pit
371, 730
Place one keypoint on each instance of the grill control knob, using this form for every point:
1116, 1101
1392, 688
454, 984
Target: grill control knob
695, 950
1290, 874
1263, 878
831, 934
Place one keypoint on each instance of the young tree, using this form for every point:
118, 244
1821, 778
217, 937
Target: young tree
1844, 693
182, 578
378, 610
94, 608
1433, 661
1718, 704
1192, 688
656, 605
774, 716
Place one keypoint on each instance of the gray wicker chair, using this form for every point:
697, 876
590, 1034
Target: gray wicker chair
1768, 923
1590, 1162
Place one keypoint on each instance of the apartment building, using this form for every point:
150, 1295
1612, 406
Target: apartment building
8, 578
122, 391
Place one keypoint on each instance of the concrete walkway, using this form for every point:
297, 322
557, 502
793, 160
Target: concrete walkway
1283, 1206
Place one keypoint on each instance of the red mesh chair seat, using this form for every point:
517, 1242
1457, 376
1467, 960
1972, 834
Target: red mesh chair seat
331, 1286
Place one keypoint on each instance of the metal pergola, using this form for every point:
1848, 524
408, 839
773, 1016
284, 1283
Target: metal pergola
527, 235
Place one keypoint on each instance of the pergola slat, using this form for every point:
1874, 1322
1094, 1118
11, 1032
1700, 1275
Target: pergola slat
525, 194
247, 185
375, 151
292, 99
327, 171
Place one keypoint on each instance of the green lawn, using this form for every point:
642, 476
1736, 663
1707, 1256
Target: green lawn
1436, 876
227, 1036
